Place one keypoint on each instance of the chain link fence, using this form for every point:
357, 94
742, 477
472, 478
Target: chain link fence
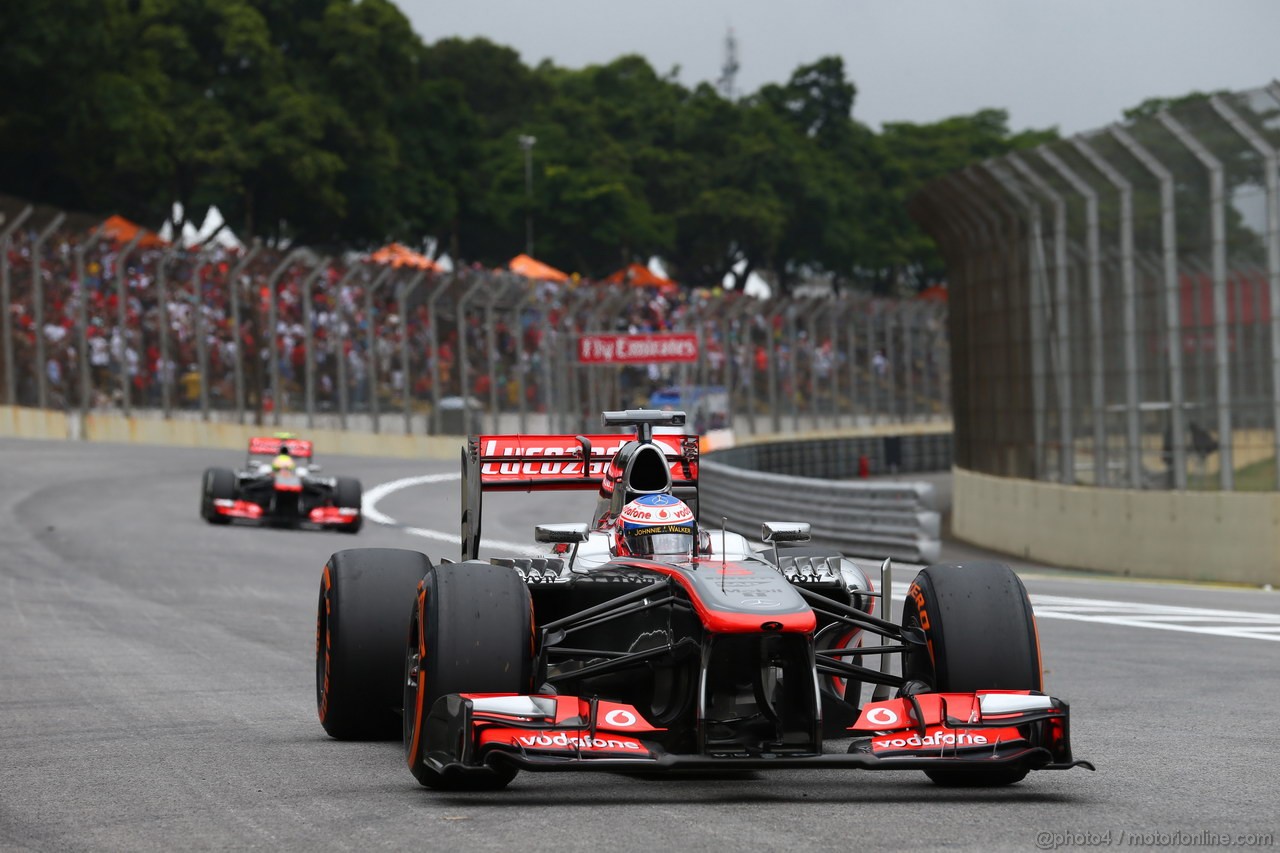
1115, 301
298, 339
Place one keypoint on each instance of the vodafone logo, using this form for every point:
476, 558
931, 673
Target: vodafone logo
620, 719
937, 738
882, 717
578, 742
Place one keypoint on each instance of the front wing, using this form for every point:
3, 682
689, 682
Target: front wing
325, 516
469, 733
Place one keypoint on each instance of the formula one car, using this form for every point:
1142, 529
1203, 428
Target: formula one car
279, 486
589, 658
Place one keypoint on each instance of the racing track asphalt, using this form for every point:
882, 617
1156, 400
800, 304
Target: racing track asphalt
157, 693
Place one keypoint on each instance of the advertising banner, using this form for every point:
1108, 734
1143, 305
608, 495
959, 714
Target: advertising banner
637, 349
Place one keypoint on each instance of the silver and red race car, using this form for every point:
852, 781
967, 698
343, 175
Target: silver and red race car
730, 658
280, 486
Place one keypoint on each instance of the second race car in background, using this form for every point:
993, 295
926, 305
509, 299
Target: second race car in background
280, 486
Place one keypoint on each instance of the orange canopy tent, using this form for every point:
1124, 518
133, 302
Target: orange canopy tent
529, 268
119, 230
641, 276
936, 293
402, 256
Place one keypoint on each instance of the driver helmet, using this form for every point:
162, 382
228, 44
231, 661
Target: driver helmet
655, 526
283, 462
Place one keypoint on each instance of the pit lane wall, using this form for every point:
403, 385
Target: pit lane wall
1231, 537
817, 480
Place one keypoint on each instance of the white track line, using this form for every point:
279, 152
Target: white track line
380, 491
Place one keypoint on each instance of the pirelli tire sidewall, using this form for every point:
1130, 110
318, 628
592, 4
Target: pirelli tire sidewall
471, 631
366, 596
981, 631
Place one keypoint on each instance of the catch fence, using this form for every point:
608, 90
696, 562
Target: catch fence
1115, 301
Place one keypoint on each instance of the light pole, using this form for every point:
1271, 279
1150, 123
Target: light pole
527, 143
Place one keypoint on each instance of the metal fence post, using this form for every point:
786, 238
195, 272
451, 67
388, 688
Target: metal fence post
309, 340
6, 316
517, 327
82, 319
811, 332
434, 334
198, 327
873, 376
1221, 355
337, 343
977, 228
463, 367
1060, 350
1129, 328
775, 409
749, 316
162, 300
793, 365
838, 307
851, 326
371, 344
233, 284
1173, 319
1097, 388
406, 369
498, 289
1271, 182
277, 398
37, 305
729, 353
1039, 307
122, 320
549, 398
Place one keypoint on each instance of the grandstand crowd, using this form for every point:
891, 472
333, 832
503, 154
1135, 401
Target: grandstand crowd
516, 333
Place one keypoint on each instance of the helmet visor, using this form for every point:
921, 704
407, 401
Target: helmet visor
660, 539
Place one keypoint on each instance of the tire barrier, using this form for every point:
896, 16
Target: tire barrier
865, 518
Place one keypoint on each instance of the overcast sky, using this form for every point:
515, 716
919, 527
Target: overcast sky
1072, 63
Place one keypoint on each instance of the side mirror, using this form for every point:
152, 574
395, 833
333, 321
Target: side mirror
785, 531
572, 534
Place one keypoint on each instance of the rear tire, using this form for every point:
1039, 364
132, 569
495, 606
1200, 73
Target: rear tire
471, 631
982, 633
348, 492
361, 623
219, 484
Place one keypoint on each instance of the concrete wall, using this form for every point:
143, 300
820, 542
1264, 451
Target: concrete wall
18, 422
1201, 536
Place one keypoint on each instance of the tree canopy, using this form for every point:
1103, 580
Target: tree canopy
331, 122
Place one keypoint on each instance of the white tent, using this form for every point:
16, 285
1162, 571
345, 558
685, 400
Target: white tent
192, 236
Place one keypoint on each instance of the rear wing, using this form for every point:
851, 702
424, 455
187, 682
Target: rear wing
528, 463
513, 463
270, 446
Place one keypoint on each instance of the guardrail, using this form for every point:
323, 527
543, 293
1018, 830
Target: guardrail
869, 518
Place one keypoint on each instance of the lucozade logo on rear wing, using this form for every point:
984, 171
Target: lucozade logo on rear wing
506, 458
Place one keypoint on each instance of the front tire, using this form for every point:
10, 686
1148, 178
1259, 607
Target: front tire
981, 634
471, 631
361, 623
348, 492
217, 484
